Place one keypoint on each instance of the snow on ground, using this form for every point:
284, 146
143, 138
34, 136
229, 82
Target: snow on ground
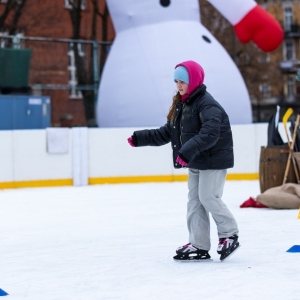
117, 242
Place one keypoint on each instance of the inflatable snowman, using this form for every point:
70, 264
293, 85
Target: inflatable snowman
152, 36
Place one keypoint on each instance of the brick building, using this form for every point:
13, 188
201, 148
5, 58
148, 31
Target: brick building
288, 13
47, 28
282, 89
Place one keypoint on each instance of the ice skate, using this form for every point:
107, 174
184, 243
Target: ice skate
227, 246
189, 252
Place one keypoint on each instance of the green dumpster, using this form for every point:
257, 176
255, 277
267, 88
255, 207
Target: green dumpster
14, 67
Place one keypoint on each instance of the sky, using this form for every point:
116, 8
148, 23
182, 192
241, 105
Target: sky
118, 242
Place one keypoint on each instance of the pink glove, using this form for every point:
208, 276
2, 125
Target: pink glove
181, 162
130, 141
260, 27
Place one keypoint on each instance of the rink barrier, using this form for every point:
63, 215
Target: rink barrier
36, 183
88, 156
114, 180
165, 178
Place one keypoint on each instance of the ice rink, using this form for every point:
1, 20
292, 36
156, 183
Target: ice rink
117, 242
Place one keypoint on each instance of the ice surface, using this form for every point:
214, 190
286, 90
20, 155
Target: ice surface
117, 242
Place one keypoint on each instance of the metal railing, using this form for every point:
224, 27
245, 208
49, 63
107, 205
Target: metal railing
16, 44
54, 70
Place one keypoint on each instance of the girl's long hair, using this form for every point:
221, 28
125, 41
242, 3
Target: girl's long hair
171, 114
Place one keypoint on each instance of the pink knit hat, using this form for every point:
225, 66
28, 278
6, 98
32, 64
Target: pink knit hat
196, 76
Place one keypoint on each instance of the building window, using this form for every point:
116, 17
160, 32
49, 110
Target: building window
288, 18
68, 4
72, 69
289, 50
290, 87
265, 90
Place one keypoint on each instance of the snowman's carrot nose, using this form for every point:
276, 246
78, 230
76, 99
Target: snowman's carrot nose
165, 3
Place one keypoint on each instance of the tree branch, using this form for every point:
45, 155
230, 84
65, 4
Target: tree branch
10, 5
16, 18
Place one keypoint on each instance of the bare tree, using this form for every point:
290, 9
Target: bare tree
104, 34
13, 9
85, 75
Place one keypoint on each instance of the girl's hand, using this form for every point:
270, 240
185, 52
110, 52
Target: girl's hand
181, 161
130, 141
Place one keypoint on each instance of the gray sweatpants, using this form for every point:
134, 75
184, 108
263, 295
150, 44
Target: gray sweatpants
204, 197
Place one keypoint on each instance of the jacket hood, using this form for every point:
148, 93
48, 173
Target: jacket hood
196, 76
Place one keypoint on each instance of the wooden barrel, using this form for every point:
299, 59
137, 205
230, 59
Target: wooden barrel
272, 165
296, 156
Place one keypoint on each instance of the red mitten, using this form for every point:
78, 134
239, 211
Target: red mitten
252, 203
260, 27
248, 203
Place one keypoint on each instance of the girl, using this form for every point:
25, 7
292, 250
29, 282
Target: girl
200, 135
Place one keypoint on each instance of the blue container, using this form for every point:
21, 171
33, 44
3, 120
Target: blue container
294, 249
3, 293
24, 112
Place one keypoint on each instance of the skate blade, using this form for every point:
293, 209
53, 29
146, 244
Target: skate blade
231, 253
191, 259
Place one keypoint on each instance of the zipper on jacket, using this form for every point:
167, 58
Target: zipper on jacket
180, 137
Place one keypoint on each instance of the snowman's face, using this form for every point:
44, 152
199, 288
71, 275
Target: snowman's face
134, 13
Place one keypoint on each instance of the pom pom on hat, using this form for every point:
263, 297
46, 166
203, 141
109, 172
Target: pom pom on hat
181, 74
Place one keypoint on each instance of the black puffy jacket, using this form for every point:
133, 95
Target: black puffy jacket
200, 133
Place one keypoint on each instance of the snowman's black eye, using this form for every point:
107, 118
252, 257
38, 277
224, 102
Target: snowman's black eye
206, 39
165, 3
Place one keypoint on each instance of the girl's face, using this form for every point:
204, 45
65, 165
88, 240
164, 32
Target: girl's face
182, 87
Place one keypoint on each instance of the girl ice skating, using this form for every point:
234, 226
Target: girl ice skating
200, 134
